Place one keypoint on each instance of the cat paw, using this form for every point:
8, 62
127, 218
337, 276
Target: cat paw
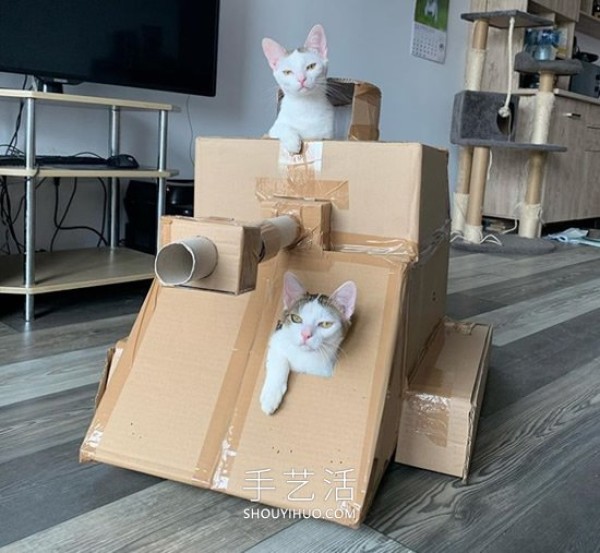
271, 399
293, 144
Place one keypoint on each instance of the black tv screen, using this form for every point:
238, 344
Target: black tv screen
166, 45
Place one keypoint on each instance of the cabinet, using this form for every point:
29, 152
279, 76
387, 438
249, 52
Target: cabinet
569, 190
36, 273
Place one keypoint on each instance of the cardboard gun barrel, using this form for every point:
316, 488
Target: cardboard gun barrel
196, 257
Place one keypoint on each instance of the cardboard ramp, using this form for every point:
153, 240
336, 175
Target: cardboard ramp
197, 359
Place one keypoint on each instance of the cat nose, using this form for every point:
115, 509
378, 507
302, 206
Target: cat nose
302, 80
306, 334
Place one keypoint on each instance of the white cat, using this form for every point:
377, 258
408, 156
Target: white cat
431, 9
307, 338
305, 112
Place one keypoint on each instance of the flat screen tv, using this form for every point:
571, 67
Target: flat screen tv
168, 45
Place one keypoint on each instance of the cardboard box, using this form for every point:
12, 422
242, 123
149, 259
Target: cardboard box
183, 400
357, 107
386, 198
440, 409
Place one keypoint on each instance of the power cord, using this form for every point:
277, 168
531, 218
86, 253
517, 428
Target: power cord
59, 224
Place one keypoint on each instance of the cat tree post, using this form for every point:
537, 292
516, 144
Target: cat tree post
475, 64
530, 216
472, 227
531, 210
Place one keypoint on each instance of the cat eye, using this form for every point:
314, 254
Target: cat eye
311, 66
325, 324
287, 72
296, 318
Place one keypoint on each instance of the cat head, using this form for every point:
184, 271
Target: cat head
302, 71
316, 322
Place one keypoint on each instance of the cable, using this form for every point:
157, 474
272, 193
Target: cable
8, 218
59, 224
191, 125
13, 141
102, 238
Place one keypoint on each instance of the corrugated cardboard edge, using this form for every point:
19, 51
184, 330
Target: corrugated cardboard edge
113, 355
477, 400
392, 406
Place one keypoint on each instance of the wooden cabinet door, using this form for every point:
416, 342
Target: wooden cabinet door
565, 177
589, 199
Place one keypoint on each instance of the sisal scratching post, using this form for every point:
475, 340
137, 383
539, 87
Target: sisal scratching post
530, 216
473, 230
473, 77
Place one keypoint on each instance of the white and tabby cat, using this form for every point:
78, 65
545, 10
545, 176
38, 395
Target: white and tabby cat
431, 9
305, 112
307, 338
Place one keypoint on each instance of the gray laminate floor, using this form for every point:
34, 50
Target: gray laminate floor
535, 479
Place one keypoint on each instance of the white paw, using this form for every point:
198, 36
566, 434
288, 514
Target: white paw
270, 398
292, 143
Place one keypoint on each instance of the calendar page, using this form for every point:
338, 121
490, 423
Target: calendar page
429, 30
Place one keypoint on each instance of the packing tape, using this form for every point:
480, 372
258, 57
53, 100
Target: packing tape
431, 415
314, 226
302, 186
439, 235
303, 166
346, 242
216, 458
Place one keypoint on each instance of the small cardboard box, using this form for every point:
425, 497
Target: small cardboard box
238, 246
440, 409
357, 107
183, 400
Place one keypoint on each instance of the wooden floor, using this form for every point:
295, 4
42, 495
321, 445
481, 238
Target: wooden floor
535, 480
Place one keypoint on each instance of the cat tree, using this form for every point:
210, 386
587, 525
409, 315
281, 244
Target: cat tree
492, 125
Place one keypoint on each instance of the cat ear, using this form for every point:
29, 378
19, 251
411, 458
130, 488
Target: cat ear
292, 289
316, 41
345, 298
273, 52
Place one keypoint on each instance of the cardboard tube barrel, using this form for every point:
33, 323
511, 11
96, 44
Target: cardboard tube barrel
180, 262
196, 257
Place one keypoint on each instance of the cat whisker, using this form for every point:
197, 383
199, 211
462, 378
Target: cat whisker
341, 351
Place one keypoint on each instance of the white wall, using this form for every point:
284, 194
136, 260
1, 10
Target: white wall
367, 40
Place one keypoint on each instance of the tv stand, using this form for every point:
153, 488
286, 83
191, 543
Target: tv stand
34, 273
